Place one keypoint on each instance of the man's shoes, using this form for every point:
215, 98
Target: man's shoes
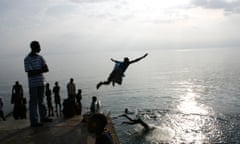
37, 125
47, 120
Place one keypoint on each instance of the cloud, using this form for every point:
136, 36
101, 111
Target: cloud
232, 6
89, 1
61, 9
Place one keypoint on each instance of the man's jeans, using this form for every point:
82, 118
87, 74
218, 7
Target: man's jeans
36, 105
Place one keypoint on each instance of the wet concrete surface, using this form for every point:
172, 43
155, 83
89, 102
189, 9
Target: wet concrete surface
60, 131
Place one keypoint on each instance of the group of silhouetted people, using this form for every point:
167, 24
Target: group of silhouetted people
72, 105
57, 99
35, 66
19, 101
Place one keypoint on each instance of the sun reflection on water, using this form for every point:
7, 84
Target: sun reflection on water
189, 105
190, 123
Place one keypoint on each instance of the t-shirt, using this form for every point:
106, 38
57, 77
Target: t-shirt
121, 67
34, 62
71, 89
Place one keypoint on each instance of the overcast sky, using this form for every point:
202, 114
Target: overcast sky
77, 25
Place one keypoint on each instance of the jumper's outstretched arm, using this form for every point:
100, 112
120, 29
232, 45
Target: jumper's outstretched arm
138, 59
138, 121
114, 60
130, 123
124, 115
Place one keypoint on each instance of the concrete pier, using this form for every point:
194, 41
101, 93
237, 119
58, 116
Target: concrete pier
60, 131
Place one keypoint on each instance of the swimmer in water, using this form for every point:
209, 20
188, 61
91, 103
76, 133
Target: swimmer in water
136, 121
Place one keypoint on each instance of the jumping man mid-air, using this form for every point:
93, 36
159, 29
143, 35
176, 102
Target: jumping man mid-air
118, 72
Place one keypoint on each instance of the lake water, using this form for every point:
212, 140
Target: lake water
185, 95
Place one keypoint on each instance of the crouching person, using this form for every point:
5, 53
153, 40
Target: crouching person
96, 125
94, 108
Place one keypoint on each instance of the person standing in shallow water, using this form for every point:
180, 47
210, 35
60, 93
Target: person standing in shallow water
1, 109
78, 99
57, 99
118, 72
18, 100
48, 94
93, 107
79, 96
35, 66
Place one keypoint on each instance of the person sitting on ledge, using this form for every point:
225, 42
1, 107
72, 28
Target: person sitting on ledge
96, 125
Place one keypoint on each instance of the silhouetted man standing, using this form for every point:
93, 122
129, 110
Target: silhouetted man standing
57, 98
35, 66
1, 109
71, 89
18, 101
